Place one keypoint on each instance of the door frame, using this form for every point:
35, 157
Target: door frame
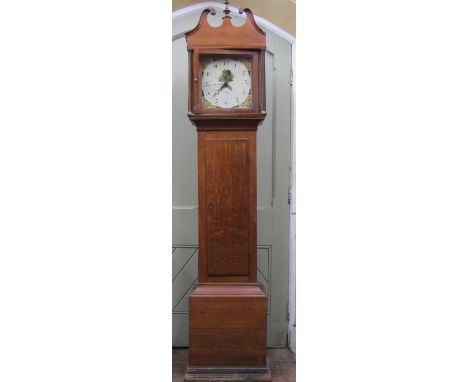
292, 210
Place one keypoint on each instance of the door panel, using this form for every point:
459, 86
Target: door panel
273, 161
227, 224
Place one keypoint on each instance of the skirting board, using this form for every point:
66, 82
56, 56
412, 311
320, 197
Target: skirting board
232, 374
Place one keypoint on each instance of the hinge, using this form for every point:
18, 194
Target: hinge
289, 194
291, 76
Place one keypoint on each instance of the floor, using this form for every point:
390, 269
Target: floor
282, 364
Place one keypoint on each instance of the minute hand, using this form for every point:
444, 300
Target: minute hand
225, 85
215, 84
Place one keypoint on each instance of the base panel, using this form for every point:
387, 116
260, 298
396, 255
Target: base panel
228, 327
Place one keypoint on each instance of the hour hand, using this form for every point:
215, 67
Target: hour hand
221, 88
225, 85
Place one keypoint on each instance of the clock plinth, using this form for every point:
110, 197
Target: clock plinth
227, 325
227, 333
228, 307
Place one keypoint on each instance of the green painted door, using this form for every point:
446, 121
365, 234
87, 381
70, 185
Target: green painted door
273, 163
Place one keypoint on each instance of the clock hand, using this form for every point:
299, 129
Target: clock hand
226, 76
215, 84
221, 88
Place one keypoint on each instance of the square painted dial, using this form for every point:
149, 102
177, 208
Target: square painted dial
226, 82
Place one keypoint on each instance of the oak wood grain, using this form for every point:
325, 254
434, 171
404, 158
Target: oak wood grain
227, 193
227, 168
220, 347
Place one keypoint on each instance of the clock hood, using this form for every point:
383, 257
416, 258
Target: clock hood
247, 36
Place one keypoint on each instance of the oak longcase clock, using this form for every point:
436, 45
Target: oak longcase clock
228, 306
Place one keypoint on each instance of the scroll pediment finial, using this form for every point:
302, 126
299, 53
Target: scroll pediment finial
226, 11
245, 36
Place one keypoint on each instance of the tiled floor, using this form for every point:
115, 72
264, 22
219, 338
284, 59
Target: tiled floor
282, 364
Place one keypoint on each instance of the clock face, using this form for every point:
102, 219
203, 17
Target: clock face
226, 82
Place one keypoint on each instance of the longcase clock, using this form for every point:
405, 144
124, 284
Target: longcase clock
228, 306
